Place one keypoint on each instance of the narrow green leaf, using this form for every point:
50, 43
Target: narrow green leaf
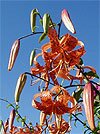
99, 125
17, 107
42, 37
9, 105
1, 124
78, 114
75, 122
77, 94
23, 124
90, 73
81, 61
18, 119
86, 131
23, 121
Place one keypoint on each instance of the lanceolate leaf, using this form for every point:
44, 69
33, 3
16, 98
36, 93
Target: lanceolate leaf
77, 94
1, 123
90, 73
81, 61
42, 37
23, 121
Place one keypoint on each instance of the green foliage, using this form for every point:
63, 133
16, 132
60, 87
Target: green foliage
77, 94
23, 120
42, 37
81, 61
9, 105
90, 73
1, 124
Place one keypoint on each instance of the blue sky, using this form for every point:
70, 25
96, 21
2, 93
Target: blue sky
15, 22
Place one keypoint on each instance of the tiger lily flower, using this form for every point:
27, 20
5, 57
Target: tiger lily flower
63, 129
61, 57
58, 105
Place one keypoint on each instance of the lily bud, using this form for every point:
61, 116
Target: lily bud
11, 119
46, 19
13, 54
42, 118
88, 101
33, 15
32, 56
67, 21
19, 86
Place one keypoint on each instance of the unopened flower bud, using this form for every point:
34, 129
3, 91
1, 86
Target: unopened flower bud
88, 101
11, 118
67, 21
13, 54
19, 86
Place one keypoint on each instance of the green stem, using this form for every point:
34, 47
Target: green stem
81, 121
59, 27
15, 111
53, 83
88, 79
39, 78
29, 35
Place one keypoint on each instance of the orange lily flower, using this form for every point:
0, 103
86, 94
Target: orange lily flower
17, 130
54, 101
63, 129
59, 57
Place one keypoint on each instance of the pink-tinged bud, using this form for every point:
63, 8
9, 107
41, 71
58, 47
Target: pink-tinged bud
88, 101
11, 119
67, 21
13, 54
